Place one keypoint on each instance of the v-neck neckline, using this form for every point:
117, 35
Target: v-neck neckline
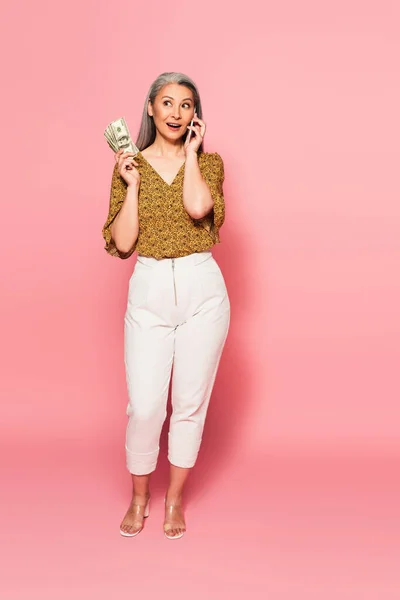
158, 174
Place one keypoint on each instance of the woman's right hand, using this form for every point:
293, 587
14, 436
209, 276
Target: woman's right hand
126, 167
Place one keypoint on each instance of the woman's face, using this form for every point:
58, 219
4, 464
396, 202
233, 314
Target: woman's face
173, 105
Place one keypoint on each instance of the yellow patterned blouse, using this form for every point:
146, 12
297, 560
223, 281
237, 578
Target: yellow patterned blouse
165, 228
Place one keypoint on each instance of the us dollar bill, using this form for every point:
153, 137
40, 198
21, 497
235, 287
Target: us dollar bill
118, 137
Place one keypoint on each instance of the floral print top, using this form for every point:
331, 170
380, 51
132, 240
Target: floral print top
165, 228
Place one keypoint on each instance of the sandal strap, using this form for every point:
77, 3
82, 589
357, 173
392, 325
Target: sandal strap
136, 508
138, 511
170, 523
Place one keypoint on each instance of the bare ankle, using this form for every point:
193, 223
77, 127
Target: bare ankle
140, 496
173, 498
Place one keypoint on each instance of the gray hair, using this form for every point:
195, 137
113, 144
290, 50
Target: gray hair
147, 131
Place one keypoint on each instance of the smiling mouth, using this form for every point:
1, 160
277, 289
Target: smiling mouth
174, 126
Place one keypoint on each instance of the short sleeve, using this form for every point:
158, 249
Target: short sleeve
213, 173
117, 197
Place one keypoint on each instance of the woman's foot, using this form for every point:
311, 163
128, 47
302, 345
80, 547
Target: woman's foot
132, 523
174, 522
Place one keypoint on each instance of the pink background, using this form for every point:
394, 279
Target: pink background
302, 102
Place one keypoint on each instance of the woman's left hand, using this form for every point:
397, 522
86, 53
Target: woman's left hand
198, 131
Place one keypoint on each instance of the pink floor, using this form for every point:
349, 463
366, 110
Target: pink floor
278, 527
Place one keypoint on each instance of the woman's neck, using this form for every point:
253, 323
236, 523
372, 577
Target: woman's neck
164, 149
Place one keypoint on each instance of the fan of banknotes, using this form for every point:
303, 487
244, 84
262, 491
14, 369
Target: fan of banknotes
118, 137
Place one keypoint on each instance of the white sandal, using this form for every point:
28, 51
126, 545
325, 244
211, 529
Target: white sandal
170, 525
137, 508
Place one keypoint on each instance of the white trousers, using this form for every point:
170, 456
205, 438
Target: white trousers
177, 320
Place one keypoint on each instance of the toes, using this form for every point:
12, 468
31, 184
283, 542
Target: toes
126, 528
175, 531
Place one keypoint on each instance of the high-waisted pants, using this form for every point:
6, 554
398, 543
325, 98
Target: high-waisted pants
177, 320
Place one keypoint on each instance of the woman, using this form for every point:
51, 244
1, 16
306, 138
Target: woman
167, 203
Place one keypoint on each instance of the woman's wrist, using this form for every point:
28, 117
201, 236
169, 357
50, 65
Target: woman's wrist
134, 185
191, 156
133, 189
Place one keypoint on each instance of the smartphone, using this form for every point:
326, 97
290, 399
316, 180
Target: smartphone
190, 130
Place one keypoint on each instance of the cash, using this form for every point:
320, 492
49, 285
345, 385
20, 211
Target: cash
118, 137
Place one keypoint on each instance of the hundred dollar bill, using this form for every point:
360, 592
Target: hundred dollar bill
110, 141
118, 137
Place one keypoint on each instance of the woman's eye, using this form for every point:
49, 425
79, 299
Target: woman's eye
186, 104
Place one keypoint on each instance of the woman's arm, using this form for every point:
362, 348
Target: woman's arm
197, 198
121, 228
125, 227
